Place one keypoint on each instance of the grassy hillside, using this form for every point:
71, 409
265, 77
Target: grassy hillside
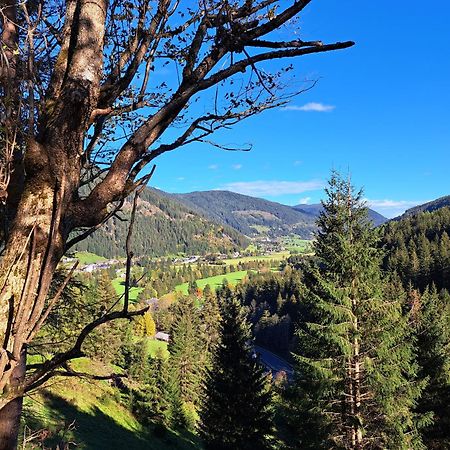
296, 245
99, 419
152, 347
88, 258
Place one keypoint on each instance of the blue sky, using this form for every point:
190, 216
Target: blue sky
379, 110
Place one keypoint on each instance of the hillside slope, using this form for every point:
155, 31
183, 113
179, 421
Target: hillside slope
249, 215
163, 226
418, 248
91, 415
434, 205
315, 209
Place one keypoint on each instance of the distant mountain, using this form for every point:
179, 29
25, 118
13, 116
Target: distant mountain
313, 209
163, 226
203, 222
316, 208
249, 215
439, 203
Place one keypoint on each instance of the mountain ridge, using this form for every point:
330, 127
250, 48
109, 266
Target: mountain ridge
202, 222
163, 226
251, 216
315, 209
433, 205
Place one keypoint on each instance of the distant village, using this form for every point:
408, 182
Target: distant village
266, 246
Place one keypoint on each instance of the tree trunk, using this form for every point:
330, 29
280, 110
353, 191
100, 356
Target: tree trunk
356, 381
10, 414
350, 405
357, 393
34, 247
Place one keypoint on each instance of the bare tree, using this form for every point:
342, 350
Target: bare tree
81, 107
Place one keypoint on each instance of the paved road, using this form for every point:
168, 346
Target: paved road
274, 362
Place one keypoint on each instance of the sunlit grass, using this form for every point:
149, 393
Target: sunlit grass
214, 282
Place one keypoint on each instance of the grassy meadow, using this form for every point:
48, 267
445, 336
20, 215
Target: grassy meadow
88, 258
119, 286
214, 282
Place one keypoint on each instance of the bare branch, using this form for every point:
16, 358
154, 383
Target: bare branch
128, 242
284, 44
88, 232
243, 64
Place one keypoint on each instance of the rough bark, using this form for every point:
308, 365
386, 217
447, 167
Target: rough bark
38, 233
9, 425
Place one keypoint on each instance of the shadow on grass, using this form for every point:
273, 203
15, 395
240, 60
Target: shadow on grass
96, 430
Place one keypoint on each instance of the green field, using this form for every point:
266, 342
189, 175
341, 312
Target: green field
279, 256
153, 345
295, 244
260, 228
88, 258
118, 284
233, 278
251, 248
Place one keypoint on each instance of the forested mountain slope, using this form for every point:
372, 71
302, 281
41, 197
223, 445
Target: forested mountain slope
434, 205
419, 248
249, 215
202, 222
163, 226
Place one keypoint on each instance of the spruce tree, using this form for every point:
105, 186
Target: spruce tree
433, 339
147, 293
210, 322
237, 412
105, 293
186, 366
105, 341
355, 360
158, 391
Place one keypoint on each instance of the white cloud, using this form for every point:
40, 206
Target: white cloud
273, 188
180, 178
304, 200
311, 106
297, 163
392, 208
237, 166
213, 166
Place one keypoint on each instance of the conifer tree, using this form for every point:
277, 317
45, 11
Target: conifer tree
106, 340
355, 361
210, 323
138, 363
147, 293
158, 391
433, 332
105, 293
237, 412
280, 302
186, 366
192, 288
150, 326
